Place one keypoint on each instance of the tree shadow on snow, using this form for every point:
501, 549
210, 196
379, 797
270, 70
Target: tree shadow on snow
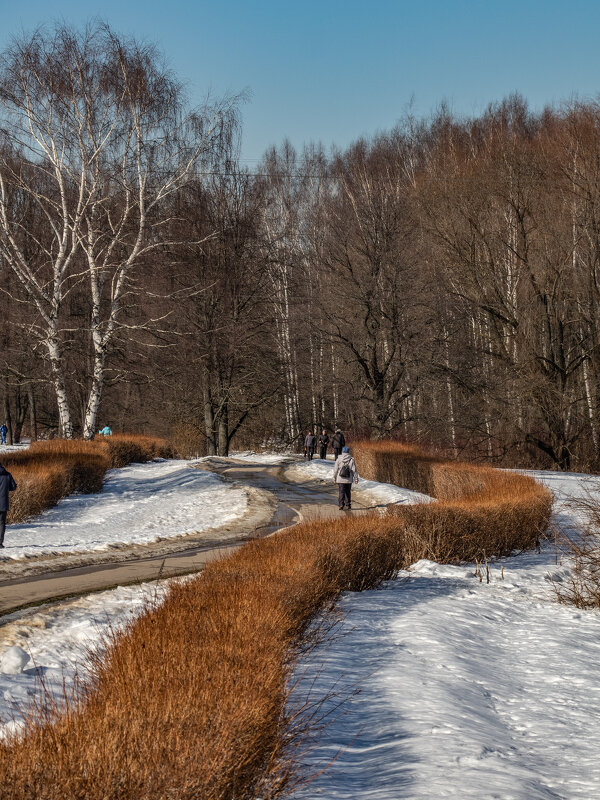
361, 746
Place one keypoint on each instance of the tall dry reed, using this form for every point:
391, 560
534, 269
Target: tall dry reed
481, 511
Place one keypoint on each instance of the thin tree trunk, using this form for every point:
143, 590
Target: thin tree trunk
33, 431
7, 415
334, 389
209, 421
313, 381
451, 417
321, 381
224, 431
590, 406
22, 403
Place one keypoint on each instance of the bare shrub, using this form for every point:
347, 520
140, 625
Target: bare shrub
581, 587
39, 487
188, 440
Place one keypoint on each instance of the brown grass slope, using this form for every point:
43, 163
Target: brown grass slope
190, 702
481, 511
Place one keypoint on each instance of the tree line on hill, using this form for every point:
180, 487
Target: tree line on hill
439, 282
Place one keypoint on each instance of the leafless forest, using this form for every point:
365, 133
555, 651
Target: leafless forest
439, 282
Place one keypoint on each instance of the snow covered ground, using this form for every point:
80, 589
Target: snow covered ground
568, 488
382, 493
13, 448
138, 504
466, 689
260, 458
56, 639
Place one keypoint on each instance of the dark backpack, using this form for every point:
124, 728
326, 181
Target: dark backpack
345, 471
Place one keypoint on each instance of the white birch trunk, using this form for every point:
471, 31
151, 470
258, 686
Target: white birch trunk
58, 381
95, 395
335, 399
451, 416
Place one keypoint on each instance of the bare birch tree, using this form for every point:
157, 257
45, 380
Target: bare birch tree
98, 139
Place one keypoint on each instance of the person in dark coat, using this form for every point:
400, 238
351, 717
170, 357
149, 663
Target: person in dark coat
323, 442
3, 432
309, 445
338, 442
7, 484
345, 474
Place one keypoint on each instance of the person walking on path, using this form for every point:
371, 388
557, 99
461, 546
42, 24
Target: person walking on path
309, 445
7, 484
338, 442
323, 442
344, 474
3, 432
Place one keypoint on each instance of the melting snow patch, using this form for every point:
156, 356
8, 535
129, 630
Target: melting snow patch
260, 458
139, 504
13, 660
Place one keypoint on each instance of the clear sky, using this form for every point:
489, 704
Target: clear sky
332, 70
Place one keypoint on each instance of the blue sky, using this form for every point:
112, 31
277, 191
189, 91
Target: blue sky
333, 70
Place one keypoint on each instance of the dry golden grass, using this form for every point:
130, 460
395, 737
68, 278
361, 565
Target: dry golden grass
127, 448
190, 702
50, 470
481, 512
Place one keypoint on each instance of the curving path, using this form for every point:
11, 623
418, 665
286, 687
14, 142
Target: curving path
275, 502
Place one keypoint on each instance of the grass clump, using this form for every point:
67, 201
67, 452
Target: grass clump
481, 512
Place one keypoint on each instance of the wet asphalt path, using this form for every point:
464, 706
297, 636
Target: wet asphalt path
291, 502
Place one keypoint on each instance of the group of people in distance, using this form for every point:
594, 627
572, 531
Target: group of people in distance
344, 470
338, 442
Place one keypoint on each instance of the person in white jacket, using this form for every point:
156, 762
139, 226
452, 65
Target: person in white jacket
345, 474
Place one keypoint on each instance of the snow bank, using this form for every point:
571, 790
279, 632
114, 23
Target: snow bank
138, 504
260, 458
381, 493
14, 448
56, 639
13, 660
467, 689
